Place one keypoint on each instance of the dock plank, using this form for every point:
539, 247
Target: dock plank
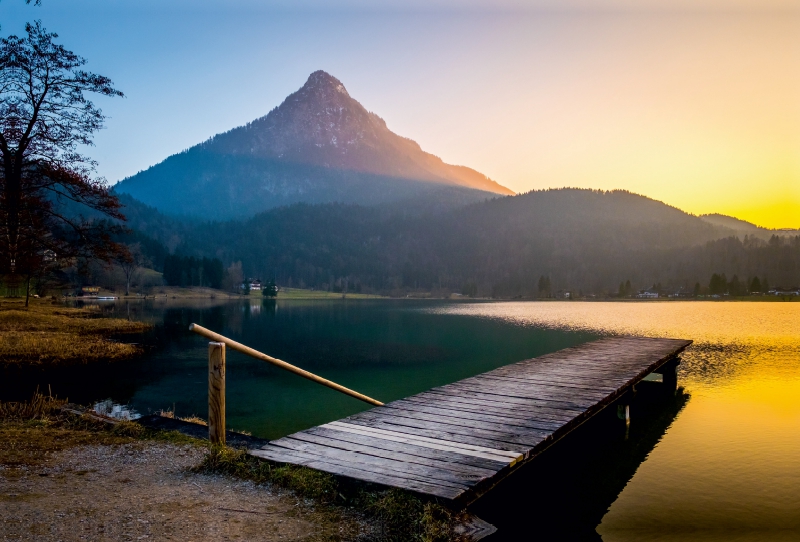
502, 418
407, 448
456, 441
431, 472
497, 424
383, 448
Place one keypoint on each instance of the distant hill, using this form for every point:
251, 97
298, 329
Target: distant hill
582, 239
319, 146
742, 227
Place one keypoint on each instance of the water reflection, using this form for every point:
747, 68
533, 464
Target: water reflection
564, 493
722, 465
385, 349
728, 467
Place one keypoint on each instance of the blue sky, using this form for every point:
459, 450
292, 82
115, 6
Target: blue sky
693, 102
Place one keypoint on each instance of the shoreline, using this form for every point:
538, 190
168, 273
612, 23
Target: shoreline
168, 294
76, 473
47, 333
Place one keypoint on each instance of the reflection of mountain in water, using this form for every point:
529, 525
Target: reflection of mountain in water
564, 493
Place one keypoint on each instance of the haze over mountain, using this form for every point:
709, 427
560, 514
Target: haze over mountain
319, 146
742, 227
581, 239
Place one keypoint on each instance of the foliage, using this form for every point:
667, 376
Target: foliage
270, 289
578, 239
189, 271
152, 251
544, 286
718, 284
44, 118
130, 261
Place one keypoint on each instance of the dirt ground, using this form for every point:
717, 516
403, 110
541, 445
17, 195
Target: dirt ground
144, 491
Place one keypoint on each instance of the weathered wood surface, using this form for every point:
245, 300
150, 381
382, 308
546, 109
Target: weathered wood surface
216, 393
456, 441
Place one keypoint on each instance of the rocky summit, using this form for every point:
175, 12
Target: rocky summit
319, 146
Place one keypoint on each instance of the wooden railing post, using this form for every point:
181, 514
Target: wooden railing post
216, 393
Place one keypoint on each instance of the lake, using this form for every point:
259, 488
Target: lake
718, 460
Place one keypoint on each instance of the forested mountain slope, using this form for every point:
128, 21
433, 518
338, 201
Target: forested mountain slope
583, 240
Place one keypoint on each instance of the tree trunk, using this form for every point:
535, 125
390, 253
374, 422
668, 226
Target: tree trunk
27, 290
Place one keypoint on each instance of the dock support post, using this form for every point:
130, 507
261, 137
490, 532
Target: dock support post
216, 393
669, 374
624, 413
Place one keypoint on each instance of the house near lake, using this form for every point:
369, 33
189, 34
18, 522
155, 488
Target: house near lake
251, 284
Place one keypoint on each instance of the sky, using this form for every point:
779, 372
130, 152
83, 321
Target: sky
692, 102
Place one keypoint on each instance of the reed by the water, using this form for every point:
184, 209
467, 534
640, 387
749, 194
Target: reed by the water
47, 334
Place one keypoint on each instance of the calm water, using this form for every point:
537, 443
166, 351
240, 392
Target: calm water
719, 460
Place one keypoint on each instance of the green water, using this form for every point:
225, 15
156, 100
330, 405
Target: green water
384, 349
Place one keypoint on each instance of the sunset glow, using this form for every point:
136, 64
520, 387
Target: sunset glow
692, 103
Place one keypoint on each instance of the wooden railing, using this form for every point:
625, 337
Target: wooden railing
216, 378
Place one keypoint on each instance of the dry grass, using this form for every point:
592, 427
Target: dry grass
191, 419
43, 333
40, 407
31, 430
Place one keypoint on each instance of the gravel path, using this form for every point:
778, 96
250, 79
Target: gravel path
143, 491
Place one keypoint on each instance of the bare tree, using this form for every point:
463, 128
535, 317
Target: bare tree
234, 277
131, 261
44, 117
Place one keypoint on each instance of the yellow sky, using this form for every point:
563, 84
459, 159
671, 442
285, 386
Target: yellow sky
692, 102
701, 112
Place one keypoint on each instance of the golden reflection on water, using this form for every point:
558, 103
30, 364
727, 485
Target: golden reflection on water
730, 338
728, 468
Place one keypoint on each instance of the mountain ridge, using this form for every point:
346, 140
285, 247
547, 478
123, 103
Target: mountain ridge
319, 145
743, 227
590, 240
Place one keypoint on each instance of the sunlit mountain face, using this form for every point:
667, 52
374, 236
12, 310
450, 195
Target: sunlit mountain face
320, 145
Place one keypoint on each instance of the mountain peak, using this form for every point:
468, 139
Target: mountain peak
319, 145
321, 81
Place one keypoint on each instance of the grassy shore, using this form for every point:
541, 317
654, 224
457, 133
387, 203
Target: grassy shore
50, 334
298, 293
31, 430
35, 435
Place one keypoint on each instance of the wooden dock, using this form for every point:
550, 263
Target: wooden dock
456, 441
